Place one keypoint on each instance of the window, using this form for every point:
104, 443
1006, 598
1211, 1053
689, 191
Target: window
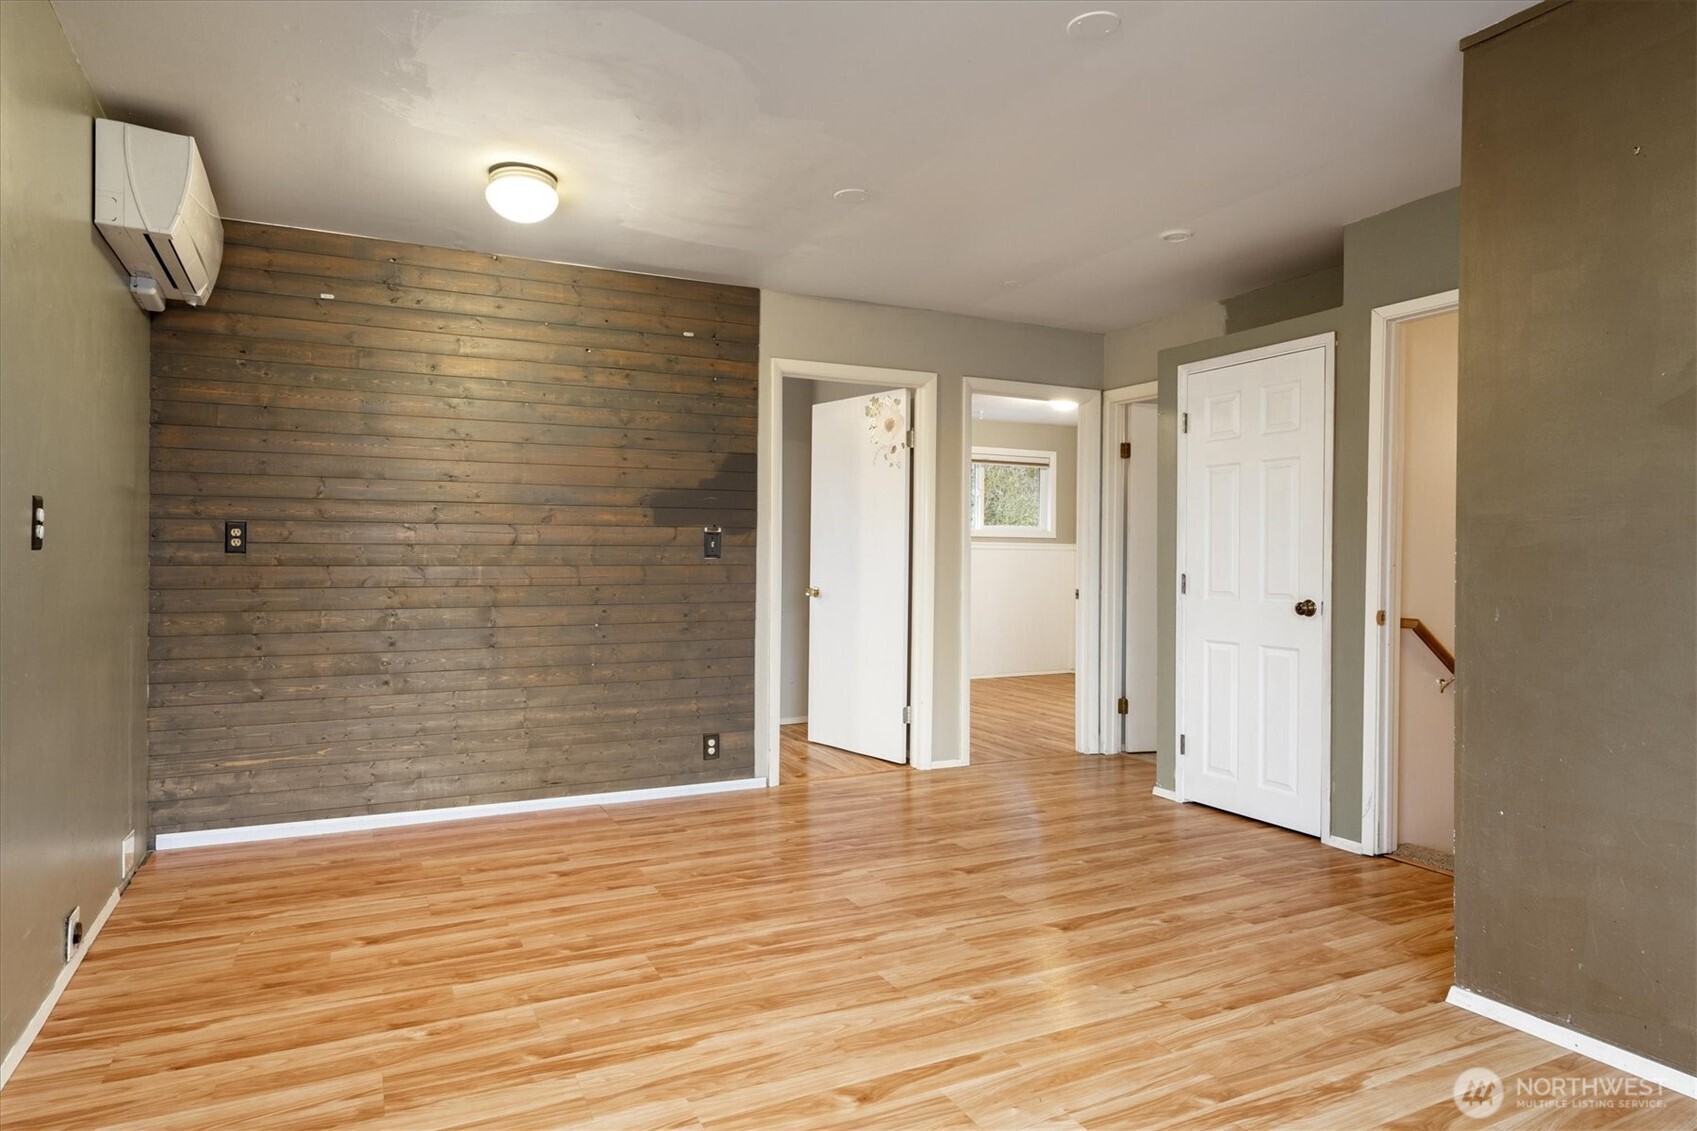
1013, 493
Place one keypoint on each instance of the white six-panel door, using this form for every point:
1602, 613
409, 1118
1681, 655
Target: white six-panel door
1253, 624
857, 676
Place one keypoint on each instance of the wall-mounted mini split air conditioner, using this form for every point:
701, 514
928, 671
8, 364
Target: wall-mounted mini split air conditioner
154, 206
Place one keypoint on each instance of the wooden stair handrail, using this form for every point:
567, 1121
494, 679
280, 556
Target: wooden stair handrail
1445, 656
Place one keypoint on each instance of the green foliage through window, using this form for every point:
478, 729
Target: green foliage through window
1011, 493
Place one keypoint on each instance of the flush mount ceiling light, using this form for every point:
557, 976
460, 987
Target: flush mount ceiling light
1093, 25
1176, 235
522, 193
851, 196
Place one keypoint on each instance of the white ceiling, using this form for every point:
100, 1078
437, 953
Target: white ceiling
1015, 173
1024, 410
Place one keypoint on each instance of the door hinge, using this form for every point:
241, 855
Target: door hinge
910, 440
907, 715
1380, 619
1123, 707
1125, 449
1181, 746
1184, 425
1184, 583
1075, 594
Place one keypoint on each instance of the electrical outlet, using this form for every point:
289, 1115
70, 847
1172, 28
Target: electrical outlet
73, 933
709, 747
127, 856
712, 542
37, 522
235, 538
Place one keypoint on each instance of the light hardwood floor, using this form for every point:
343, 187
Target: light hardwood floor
1035, 941
1013, 719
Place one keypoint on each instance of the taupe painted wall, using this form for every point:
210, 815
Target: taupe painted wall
1576, 852
73, 429
953, 346
1405, 253
1057, 438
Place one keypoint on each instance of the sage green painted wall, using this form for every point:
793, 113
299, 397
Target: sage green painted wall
1576, 760
1132, 356
1405, 253
1293, 298
73, 428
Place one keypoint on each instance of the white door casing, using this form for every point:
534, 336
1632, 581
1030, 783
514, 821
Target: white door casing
1254, 546
857, 691
1117, 659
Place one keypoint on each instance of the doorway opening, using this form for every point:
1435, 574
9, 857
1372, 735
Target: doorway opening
1409, 708
1030, 632
846, 586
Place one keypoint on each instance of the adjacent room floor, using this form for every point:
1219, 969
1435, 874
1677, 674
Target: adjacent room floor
1032, 941
1013, 718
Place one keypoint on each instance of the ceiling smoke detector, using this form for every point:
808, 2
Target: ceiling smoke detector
1093, 25
524, 194
851, 196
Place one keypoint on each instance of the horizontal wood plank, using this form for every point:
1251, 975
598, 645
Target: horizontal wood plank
472, 491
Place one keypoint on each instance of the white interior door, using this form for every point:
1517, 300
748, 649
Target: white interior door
1253, 642
858, 612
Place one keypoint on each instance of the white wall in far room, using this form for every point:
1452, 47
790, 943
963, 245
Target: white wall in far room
1022, 608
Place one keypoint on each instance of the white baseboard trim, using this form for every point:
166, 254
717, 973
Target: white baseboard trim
792, 722
245, 834
1354, 846
951, 764
1168, 794
1615, 1057
15, 1054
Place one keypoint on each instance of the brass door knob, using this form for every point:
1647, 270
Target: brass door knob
1306, 608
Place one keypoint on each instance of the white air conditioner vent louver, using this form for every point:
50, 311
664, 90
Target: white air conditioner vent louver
154, 206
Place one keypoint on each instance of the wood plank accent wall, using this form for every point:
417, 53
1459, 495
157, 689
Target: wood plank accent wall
475, 489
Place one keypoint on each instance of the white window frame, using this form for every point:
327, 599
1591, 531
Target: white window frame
1046, 499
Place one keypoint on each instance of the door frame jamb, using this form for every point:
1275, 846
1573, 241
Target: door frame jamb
1115, 402
1328, 342
769, 559
1380, 661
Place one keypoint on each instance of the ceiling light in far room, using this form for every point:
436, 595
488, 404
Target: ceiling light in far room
1176, 235
524, 194
851, 196
1093, 25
